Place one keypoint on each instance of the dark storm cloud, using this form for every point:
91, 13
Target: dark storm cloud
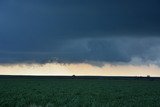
79, 30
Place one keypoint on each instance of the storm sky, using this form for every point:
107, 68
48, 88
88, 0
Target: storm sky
80, 31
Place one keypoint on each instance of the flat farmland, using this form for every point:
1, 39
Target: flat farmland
79, 92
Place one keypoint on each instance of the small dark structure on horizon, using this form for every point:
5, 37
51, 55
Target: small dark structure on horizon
73, 76
148, 76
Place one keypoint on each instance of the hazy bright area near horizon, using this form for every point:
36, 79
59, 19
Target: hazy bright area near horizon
80, 37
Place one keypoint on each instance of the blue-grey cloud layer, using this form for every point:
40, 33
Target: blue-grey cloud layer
79, 30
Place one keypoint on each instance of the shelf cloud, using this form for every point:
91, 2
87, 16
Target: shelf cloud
92, 31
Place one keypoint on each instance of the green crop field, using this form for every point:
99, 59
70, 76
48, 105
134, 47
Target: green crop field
74, 92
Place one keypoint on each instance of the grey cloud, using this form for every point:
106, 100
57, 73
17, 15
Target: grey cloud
109, 50
79, 31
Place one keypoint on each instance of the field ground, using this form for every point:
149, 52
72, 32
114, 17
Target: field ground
79, 92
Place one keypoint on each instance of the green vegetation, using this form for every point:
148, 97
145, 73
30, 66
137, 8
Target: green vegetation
54, 92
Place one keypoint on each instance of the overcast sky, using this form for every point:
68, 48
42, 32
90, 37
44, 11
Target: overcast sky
75, 31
